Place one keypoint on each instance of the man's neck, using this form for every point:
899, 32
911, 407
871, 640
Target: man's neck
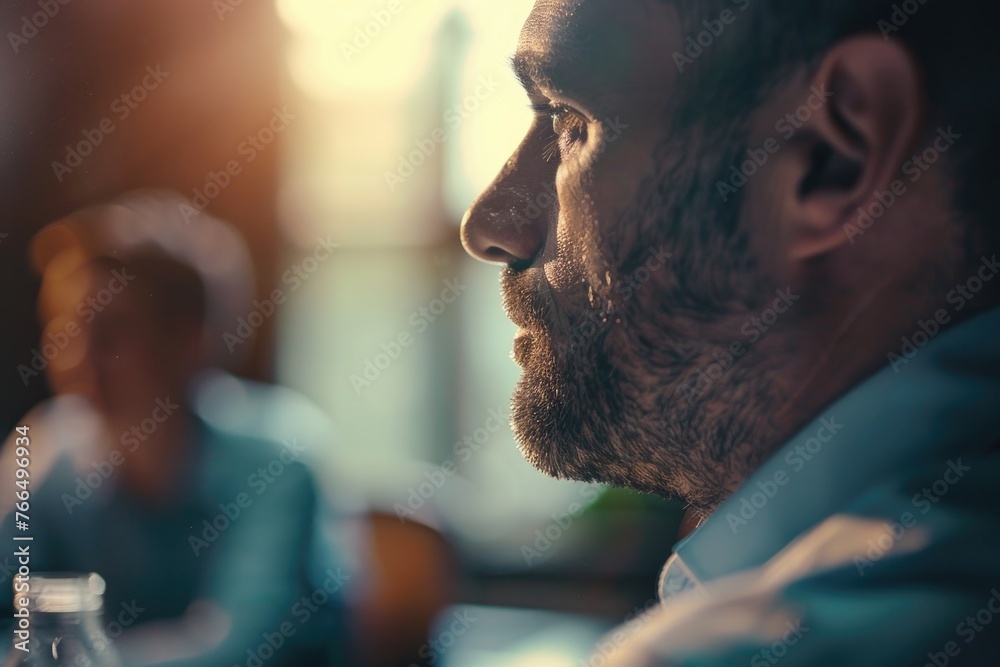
813, 363
153, 467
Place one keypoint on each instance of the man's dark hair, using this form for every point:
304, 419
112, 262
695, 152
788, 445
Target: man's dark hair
954, 43
169, 291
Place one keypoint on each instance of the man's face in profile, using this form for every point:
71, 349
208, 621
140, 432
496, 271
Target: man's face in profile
118, 354
636, 278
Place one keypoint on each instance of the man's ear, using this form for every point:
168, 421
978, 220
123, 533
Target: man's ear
854, 143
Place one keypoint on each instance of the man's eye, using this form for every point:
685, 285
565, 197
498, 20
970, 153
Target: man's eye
568, 128
568, 125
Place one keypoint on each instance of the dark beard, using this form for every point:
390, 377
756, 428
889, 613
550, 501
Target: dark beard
610, 387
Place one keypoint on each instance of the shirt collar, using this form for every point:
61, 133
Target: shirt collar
939, 401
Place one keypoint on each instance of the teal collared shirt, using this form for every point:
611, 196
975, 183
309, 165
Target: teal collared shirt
871, 538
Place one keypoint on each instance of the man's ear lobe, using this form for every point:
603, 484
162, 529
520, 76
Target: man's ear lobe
859, 135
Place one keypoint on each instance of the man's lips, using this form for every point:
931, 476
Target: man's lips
523, 306
523, 344
522, 300
524, 325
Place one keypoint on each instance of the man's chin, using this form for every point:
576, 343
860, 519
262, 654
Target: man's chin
570, 423
555, 432
527, 417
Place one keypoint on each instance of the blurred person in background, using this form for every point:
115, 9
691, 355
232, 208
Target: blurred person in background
186, 488
777, 227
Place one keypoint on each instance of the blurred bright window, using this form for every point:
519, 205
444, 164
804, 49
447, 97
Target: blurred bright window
407, 109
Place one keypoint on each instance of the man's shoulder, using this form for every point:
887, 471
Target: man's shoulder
814, 623
909, 569
229, 452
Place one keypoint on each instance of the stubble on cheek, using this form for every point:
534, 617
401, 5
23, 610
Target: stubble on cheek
584, 268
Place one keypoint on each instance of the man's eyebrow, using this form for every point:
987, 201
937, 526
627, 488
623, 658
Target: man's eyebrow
529, 72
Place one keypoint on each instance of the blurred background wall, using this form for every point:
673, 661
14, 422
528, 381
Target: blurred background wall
218, 79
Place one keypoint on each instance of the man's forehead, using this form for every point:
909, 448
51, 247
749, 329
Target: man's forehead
550, 20
597, 44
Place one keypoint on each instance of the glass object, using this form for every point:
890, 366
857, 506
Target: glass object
59, 623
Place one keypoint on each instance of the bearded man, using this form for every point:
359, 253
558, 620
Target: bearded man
768, 287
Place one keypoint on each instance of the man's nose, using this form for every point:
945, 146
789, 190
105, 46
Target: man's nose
506, 224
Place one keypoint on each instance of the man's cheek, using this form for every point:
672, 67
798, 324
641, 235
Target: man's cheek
618, 172
578, 216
